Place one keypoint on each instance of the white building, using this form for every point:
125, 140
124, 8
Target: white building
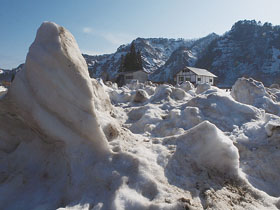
194, 75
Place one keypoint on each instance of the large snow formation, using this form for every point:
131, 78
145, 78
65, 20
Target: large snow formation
64, 145
209, 147
249, 91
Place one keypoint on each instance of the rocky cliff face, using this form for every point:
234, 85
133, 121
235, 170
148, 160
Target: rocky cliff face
248, 49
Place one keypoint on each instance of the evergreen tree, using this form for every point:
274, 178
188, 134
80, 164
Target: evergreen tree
132, 61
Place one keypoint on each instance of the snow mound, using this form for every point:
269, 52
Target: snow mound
250, 91
210, 148
202, 87
55, 90
226, 113
272, 128
140, 96
186, 86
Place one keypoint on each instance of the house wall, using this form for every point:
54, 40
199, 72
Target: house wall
200, 79
185, 76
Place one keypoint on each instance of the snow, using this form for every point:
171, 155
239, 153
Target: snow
71, 142
3, 91
252, 92
209, 147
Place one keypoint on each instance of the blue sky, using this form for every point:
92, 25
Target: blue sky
100, 26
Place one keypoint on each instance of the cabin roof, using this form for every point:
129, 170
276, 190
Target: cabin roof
198, 71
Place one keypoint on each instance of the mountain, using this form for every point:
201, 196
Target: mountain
181, 57
7, 75
155, 54
249, 49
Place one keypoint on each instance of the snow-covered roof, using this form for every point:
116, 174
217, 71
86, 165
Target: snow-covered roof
202, 72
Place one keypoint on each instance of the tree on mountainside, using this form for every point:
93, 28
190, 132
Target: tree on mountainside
132, 61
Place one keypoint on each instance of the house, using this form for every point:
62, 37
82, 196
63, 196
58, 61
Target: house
194, 75
139, 75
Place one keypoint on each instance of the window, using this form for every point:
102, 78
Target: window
210, 80
181, 79
185, 70
188, 79
198, 79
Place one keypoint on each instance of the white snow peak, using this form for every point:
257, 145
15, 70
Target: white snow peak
55, 89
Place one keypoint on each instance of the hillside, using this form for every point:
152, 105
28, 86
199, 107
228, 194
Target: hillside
155, 53
249, 49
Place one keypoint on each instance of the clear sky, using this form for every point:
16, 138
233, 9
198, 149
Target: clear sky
100, 26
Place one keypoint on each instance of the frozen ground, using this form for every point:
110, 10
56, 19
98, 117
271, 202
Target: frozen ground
71, 142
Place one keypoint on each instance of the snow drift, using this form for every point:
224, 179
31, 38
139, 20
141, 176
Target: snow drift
250, 91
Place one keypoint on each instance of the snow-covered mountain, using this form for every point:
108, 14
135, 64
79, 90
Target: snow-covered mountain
155, 54
6, 74
249, 49
181, 57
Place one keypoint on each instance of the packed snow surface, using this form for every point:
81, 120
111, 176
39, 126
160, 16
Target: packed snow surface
71, 142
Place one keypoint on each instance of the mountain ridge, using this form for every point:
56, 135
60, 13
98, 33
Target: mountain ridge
249, 49
155, 53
